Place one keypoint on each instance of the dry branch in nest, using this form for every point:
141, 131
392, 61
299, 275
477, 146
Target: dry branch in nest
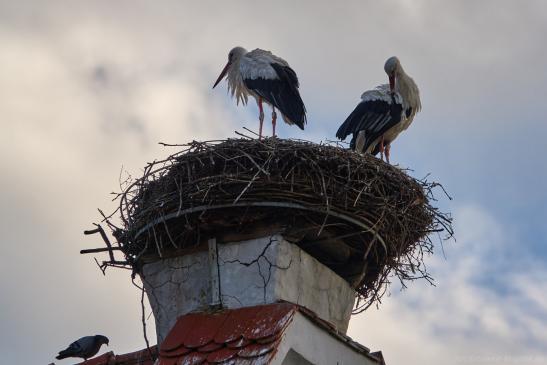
365, 219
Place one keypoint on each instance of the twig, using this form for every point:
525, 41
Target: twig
143, 320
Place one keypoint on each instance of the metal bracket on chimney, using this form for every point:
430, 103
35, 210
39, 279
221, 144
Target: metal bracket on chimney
214, 274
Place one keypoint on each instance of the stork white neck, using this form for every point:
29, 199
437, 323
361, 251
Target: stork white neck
408, 89
235, 81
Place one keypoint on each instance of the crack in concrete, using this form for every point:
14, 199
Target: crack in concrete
153, 288
266, 277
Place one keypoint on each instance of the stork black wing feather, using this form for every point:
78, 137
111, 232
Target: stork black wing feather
375, 117
282, 93
363, 112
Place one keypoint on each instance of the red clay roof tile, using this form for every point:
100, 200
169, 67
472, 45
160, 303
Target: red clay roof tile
182, 329
205, 331
221, 355
100, 360
270, 320
210, 347
236, 324
268, 339
256, 349
141, 357
242, 342
182, 350
229, 336
138, 357
195, 358
169, 361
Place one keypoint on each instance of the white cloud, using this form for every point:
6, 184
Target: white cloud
463, 319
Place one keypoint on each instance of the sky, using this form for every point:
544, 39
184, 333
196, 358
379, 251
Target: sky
89, 88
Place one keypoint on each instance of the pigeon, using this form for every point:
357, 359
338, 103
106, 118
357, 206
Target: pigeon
85, 347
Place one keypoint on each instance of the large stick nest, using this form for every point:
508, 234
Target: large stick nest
365, 219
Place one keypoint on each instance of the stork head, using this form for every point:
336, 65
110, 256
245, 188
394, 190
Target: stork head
391, 67
234, 55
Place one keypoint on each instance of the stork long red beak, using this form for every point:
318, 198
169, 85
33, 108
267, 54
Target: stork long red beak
222, 74
392, 83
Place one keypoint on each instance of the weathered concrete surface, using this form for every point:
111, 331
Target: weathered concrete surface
314, 286
251, 272
305, 343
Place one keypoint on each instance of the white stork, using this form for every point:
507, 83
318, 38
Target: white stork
383, 113
267, 78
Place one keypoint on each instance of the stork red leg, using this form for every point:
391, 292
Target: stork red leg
274, 119
260, 117
382, 148
388, 147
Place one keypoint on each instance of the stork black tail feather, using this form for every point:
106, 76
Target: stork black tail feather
296, 113
289, 101
352, 123
343, 131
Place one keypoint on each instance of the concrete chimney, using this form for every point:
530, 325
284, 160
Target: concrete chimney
253, 272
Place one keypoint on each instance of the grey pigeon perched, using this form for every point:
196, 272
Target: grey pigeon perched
85, 347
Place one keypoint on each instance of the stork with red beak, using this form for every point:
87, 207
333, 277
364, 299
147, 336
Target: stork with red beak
267, 78
383, 112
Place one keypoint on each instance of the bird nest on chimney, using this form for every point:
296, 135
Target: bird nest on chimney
366, 220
